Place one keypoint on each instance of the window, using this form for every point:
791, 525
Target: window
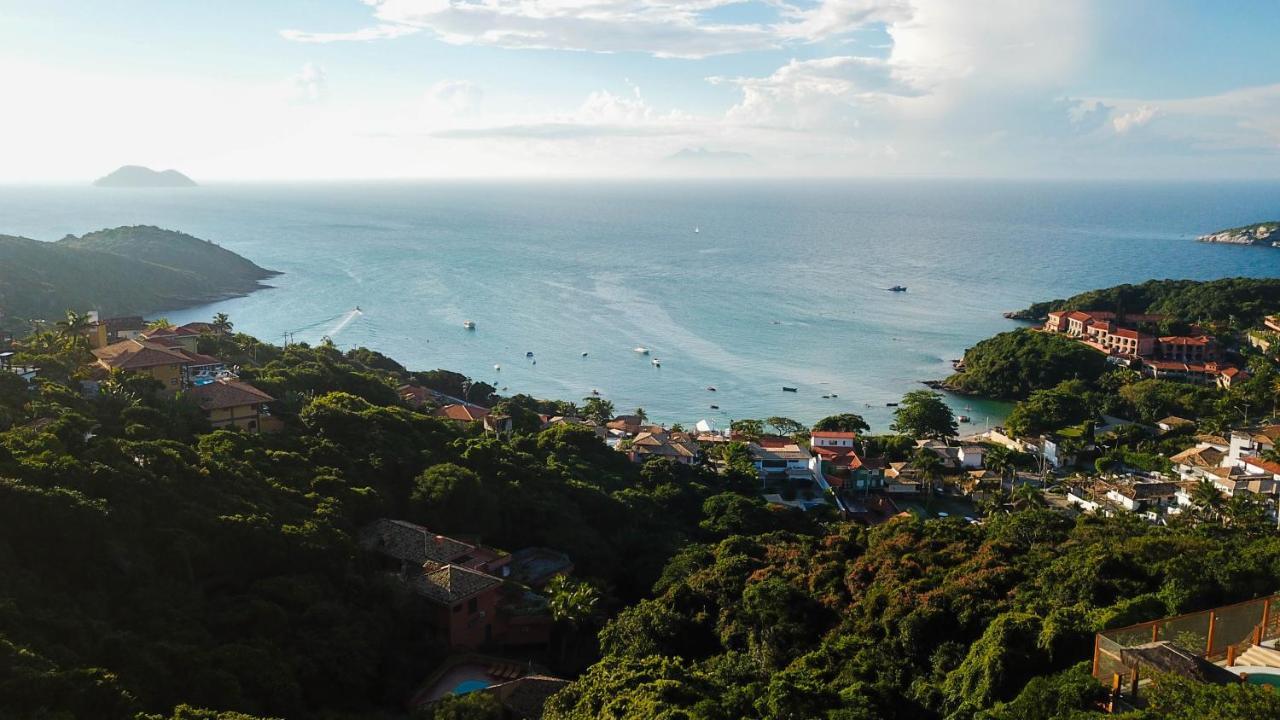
472, 605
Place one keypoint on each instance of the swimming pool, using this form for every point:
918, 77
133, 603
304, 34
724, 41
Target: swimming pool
469, 686
1258, 675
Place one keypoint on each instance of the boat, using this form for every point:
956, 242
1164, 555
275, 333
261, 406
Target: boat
498, 368
656, 362
715, 407
584, 354
595, 392
826, 397
469, 324
529, 354
891, 404
696, 230
834, 395
711, 388
789, 389
642, 350
898, 288
963, 418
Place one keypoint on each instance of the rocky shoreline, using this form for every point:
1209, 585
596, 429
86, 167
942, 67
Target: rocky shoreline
1266, 233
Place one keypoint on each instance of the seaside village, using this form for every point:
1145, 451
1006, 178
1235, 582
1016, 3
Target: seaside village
480, 600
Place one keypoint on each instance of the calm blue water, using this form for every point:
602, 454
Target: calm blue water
784, 285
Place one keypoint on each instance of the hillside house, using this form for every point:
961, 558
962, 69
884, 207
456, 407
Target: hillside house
173, 366
231, 403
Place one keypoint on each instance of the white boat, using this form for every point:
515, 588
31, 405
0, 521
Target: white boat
498, 368
696, 230
656, 362
642, 350
469, 324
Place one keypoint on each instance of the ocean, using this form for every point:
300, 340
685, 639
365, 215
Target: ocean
745, 286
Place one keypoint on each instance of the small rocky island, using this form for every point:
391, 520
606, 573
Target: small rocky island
136, 176
1263, 233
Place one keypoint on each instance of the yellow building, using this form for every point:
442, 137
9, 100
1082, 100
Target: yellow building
146, 358
231, 403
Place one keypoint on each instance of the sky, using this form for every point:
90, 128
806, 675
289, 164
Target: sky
264, 90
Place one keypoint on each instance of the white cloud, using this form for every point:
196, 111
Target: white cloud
665, 28
378, 32
453, 98
310, 84
816, 94
1134, 119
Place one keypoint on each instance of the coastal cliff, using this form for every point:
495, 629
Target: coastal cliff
1263, 233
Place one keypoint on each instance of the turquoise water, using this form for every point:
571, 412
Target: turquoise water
469, 686
1256, 678
783, 285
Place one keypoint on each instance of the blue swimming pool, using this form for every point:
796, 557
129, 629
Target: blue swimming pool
469, 686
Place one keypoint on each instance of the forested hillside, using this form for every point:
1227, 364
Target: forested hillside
1229, 301
121, 271
148, 563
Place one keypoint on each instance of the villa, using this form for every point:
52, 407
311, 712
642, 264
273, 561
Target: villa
473, 602
778, 460
655, 443
173, 366
232, 403
1194, 357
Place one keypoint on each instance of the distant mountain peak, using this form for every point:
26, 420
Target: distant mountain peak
138, 176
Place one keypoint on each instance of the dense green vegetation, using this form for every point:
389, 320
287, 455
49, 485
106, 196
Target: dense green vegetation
150, 566
1013, 364
146, 562
1229, 302
914, 620
103, 269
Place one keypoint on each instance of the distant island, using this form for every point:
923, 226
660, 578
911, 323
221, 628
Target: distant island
1263, 233
136, 176
124, 270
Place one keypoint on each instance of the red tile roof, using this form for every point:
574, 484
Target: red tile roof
1271, 467
833, 434
222, 394
462, 413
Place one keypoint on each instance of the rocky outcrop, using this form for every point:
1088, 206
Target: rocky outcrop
1266, 233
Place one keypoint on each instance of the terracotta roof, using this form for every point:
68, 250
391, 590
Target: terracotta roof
139, 354
463, 413
222, 394
833, 434
1198, 457
411, 543
1271, 467
1184, 340
451, 584
1175, 421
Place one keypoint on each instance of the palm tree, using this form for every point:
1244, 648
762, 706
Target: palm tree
571, 602
999, 460
1025, 496
74, 325
159, 324
222, 324
929, 465
1207, 498
641, 415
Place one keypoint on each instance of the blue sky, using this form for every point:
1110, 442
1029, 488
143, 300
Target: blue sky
323, 89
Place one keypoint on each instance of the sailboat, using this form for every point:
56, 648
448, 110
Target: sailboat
696, 230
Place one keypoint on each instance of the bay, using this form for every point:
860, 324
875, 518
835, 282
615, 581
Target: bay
783, 284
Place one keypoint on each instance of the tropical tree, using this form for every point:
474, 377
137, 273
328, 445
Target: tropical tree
641, 414
572, 604
785, 426
923, 414
844, 422
999, 460
1026, 496
73, 325
1207, 498
222, 324
159, 324
929, 465
750, 429
597, 409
